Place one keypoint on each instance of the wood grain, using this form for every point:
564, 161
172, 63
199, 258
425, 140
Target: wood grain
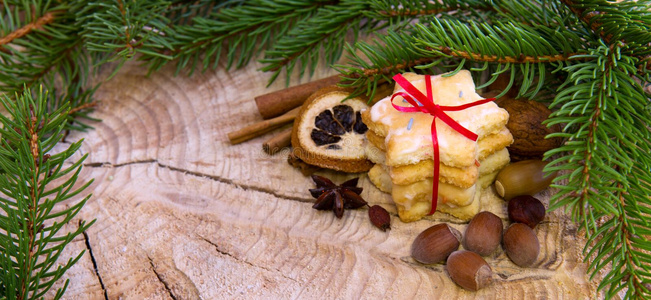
182, 214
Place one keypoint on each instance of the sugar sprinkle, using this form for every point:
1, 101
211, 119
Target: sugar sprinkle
460, 94
417, 102
411, 123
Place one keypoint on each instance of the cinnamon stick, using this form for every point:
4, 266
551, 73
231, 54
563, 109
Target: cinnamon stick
278, 142
260, 128
276, 103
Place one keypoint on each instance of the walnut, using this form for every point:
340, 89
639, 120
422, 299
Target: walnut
525, 123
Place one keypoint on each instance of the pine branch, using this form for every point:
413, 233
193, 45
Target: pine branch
479, 57
82, 107
633, 21
47, 18
535, 49
596, 14
392, 13
327, 29
607, 172
182, 12
587, 18
22, 66
241, 31
42, 48
33, 185
119, 30
532, 13
399, 13
291, 32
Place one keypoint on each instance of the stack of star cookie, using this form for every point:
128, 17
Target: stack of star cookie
400, 145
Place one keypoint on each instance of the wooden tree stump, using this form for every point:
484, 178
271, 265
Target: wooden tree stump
182, 214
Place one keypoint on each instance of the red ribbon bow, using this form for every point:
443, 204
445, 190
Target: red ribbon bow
428, 106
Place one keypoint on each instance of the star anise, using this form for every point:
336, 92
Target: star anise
336, 197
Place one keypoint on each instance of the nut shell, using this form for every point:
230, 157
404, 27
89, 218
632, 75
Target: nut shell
521, 244
522, 178
484, 233
525, 124
527, 210
469, 270
435, 244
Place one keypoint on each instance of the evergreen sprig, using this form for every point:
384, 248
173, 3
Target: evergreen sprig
607, 171
118, 30
241, 31
291, 34
327, 29
40, 45
529, 52
34, 182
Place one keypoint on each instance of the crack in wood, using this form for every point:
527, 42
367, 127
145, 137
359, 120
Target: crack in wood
92, 259
110, 165
239, 185
153, 268
220, 179
249, 187
244, 261
242, 186
256, 188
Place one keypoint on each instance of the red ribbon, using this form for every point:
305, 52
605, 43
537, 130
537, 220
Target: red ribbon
428, 106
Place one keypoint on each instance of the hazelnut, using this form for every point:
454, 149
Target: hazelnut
434, 244
522, 178
469, 270
527, 210
521, 244
483, 234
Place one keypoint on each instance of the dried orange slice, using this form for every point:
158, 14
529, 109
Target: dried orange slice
329, 133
